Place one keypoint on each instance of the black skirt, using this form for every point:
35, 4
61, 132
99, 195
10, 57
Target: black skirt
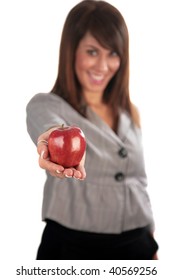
61, 243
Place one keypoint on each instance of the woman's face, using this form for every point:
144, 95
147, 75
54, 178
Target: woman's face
95, 65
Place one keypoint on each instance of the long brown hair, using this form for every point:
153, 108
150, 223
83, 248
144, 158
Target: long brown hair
107, 25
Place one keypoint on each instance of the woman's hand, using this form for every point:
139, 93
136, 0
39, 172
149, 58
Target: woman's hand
54, 169
155, 257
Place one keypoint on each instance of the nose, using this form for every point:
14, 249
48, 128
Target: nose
102, 64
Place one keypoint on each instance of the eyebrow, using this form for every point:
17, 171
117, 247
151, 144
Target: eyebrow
91, 46
95, 47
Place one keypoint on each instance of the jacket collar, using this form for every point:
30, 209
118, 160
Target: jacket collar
123, 125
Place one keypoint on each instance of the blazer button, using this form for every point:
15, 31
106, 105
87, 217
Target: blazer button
119, 176
122, 152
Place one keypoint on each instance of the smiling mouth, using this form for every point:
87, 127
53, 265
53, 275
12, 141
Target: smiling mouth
96, 78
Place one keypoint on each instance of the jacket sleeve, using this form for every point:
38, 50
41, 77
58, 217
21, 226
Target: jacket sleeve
42, 112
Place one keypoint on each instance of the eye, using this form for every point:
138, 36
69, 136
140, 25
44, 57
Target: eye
113, 53
92, 52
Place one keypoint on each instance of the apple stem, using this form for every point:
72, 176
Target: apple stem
62, 126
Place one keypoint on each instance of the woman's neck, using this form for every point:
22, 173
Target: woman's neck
93, 99
104, 112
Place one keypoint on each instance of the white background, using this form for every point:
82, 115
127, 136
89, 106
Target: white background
29, 40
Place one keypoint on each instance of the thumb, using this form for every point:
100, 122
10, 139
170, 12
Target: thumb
43, 152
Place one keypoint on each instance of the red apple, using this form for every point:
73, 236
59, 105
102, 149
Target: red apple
66, 145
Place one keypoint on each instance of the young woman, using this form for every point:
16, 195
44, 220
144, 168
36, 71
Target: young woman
99, 209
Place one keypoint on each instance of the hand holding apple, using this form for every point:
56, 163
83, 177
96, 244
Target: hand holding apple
55, 169
66, 145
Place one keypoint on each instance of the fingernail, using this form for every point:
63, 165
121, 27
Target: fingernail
67, 176
76, 178
57, 171
42, 154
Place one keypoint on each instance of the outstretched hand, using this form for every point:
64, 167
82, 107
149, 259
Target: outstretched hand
56, 170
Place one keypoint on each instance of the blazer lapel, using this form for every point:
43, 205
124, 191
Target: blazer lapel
125, 123
123, 126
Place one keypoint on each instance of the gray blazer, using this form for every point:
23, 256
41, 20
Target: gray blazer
113, 198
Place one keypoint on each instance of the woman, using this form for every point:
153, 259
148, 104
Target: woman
99, 209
